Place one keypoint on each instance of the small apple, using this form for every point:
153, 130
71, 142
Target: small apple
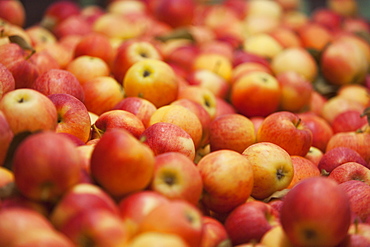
13, 11
214, 233
276, 237
221, 193
350, 171
28, 110
316, 212
315, 155
288, 131
314, 36
72, 25
262, 44
250, 221
57, 12
347, 121
327, 18
272, 167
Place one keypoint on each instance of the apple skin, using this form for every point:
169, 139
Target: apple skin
57, 12
102, 94
276, 237
315, 155
72, 25
350, 171
37, 110
50, 179
321, 130
136, 206
140, 107
358, 235
338, 156
6, 137
117, 119
327, 18
177, 177
288, 131
59, 81
156, 239
314, 36
13, 12
175, 217
153, 80
223, 107
303, 168
316, 212
231, 131
261, 89
359, 198
222, 195
7, 82
214, 233
250, 221
121, 174
272, 167
73, 117
77, 199
348, 121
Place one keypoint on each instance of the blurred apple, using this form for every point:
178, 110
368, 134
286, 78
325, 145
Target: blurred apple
218, 63
276, 237
231, 131
13, 11
314, 36
356, 92
6, 137
315, 155
57, 12
153, 80
7, 82
72, 25
221, 194
350, 171
273, 168
303, 168
59, 170
223, 107
246, 67
262, 91
344, 7
327, 18
262, 44
317, 102
358, 235
316, 212
73, 117
250, 221
122, 174
286, 37
347, 121
163, 137
336, 105
294, 19
288, 131
214, 233
156, 239
28, 110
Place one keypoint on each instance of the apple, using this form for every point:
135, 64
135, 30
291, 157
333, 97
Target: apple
231, 131
338, 156
163, 137
255, 24
288, 131
303, 168
44, 61
295, 59
77, 199
347, 121
350, 171
342, 62
343, 7
247, 67
336, 105
317, 102
130, 52
153, 80
135, 207
40, 36
286, 37
358, 235
95, 45
57, 12
314, 155
102, 94
250, 221
59, 81
59, 170
91, 12
13, 11
294, 19
321, 130
358, 141
37, 110
8, 30
177, 177
62, 54
42, 237
125, 7
275, 237
122, 174
327, 18
272, 167
117, 119
214, 233
356, 92
156, 239
98, 227
73, 117
223, 107
316, 212
225, 186
314, 36
262, 44
355, 24
182, 117
140, 107
243, 57
359, 198
262, 91
6, 137
177, 217
7, 82
93, 67
72, 25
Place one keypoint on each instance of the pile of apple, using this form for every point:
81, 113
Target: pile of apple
183, 123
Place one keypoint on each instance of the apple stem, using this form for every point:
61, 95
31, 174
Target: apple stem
98, 132
298, 122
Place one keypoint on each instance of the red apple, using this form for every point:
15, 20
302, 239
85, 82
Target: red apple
73, 117
177, 177
223, 107
59, 170
59, 81
350, 171
28, 110
347, 121
315, 155
250, 221
59, 11
122, 174
359, 197
221, 194
13, 11
72, 25
303, 168
175, 217
214, 233
288, 131
358, 235
316, 212
156, 239
231, 131
7, 82
117, 119
327, 18
6, 137
338, 156
314, 36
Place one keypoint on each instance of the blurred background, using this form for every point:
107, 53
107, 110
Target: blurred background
36, 8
